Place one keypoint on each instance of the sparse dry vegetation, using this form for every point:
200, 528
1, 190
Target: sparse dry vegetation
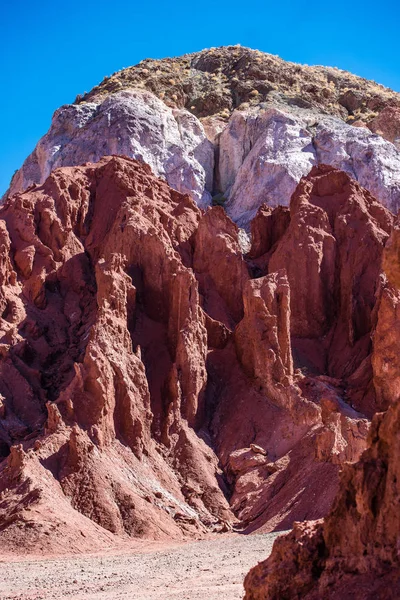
218, 80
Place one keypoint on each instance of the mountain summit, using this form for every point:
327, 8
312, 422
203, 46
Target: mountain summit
233, 123
217, 81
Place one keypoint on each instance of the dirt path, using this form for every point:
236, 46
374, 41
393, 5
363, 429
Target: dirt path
204, 570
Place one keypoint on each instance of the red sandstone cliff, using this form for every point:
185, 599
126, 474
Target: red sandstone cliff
354, 551
103, 359
151, 386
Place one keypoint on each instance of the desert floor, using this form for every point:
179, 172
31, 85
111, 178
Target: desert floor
211, 569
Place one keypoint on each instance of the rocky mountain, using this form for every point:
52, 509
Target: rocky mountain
219, 80
198, 290
231, 123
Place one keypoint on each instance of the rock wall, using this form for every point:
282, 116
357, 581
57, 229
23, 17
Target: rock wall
353, 552
135, 338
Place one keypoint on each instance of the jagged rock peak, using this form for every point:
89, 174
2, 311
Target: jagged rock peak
133, 340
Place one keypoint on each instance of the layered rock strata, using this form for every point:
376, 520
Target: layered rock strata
200, 125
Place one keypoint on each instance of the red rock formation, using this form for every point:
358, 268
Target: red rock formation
104, 320
141, 365
263, 336
219, 265
385, 357
267, 228
297, 421
333, 280
334, 286
354, 552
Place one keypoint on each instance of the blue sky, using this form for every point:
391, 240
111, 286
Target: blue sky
51, 51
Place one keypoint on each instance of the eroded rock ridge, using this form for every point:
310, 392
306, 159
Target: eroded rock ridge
353, 552
155, 382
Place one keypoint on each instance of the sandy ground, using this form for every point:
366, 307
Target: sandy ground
204, 570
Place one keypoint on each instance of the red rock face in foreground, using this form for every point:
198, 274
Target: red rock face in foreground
354, 552
103, 361
150, 385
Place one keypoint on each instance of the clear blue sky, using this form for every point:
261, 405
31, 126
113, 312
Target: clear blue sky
51, 51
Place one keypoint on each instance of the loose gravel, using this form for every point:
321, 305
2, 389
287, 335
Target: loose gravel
203, 570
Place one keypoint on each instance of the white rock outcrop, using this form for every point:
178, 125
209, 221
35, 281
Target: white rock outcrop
133, 123
262, 158
365, 156
264, 154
